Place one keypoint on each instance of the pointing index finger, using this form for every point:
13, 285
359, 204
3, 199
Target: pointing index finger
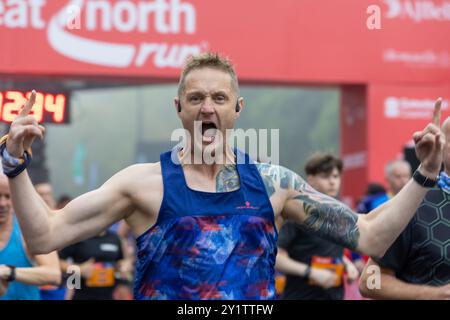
28, 105
437, 112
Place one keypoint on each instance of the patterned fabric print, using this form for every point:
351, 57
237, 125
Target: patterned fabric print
207, 257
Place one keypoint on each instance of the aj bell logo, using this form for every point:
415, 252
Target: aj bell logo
247, 206
418, 10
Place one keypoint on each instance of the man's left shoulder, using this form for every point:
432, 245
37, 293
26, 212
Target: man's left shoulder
269, 169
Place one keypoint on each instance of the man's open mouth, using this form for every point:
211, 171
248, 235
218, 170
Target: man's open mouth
209, 131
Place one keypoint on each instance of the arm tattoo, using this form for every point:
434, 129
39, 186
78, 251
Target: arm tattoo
330, 219
273, 175
227, 179
268, 173
325, 216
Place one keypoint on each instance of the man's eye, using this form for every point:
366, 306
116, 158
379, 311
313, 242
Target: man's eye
220, 98
194, 99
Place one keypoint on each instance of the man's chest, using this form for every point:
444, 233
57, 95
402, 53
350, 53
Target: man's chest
148, 199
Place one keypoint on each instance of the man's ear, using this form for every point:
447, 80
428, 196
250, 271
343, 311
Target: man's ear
239, 106
177, 104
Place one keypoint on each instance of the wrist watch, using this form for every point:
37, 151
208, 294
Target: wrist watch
423, 180
12, 274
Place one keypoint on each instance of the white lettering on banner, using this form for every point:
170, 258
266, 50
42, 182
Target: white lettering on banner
427, 58
166, 55
168, 16
127, 16
21, 14
165, 17
408, 108
355, 160
418, 10
86, 50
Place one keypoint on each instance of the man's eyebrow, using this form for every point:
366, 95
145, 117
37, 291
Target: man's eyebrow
222, 92
192, 92
195, 92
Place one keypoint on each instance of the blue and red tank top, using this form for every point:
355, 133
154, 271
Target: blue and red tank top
209, 245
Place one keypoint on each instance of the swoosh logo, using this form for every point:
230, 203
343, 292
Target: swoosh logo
96, 52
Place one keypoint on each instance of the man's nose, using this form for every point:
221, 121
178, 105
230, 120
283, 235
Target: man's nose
207, 107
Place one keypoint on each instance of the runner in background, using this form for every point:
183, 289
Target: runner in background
315, 267
98, 259
21, 274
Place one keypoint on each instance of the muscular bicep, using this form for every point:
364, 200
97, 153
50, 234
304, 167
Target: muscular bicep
323, 215
89, 214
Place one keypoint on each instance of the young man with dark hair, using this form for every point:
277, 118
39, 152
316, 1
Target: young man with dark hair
314, 267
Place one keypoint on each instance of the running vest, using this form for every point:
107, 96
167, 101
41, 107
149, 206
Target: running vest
14, 254
209, 245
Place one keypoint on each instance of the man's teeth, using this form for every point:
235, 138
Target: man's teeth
208, 139
210, 132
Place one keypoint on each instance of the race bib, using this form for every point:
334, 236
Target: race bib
102, 276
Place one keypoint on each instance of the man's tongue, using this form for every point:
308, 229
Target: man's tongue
209, 132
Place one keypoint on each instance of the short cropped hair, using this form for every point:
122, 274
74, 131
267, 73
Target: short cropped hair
323, 163
208, 60
389, 167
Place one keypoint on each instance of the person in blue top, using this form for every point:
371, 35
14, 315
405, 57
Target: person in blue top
21, 274
205, 229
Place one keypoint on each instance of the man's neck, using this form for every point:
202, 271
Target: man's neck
226, 159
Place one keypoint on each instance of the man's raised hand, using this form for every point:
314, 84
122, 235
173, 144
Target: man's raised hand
24, 129
429, 143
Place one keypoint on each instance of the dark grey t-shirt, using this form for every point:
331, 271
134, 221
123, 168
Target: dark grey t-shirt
302, 245
421, 254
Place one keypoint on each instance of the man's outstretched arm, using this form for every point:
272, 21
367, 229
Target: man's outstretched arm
46, 271
371, 234
46, 230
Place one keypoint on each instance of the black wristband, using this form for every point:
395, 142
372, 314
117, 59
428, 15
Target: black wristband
423, 180
12, 275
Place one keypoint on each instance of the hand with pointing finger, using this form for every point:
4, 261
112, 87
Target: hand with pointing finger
429, 144
24, 129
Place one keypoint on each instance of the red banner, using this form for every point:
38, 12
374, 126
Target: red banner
351, 41
376, 128
395, 113
353, 125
